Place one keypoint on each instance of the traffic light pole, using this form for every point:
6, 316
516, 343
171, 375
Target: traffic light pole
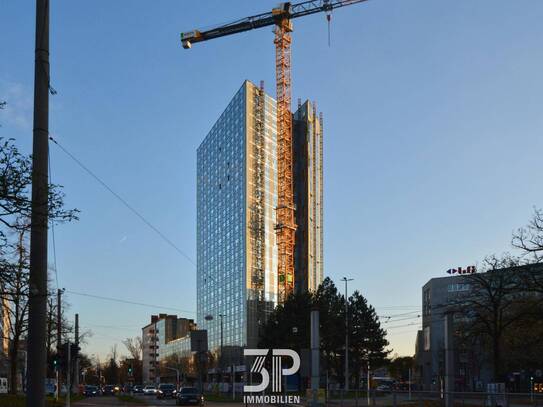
346, 385
59, 339
76, 357
68, 373
37, 301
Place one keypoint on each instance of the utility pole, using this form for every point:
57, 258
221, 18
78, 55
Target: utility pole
449, 360
68, 370
221, 360
37, 309
76, 359
410, 383
59, 339
315, 358
176, 375
368, 395
155, 367
346, 387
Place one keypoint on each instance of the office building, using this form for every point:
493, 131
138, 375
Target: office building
236, 203
472, 359
162, 330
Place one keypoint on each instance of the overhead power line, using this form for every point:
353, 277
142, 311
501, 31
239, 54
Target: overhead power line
399, 315
100, 297
124, 202
400, 319
402, 326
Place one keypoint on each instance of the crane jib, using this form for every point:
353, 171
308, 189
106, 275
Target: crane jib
284, 11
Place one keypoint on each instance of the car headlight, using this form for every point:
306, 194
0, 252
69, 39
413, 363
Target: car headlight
160, 391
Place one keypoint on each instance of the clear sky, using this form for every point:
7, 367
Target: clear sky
433, 139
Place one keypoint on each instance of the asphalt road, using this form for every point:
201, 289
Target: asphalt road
151, 401
108, 401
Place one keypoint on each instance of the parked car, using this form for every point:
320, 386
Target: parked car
137, 389
91, 391
149, 390
189, 396
166, 391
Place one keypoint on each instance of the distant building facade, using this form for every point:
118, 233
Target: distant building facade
472, 366
236, 205
5, 328
5, 332
156, 336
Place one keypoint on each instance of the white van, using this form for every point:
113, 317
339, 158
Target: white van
3, 385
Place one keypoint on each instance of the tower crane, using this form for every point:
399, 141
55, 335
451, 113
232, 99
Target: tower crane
281, 17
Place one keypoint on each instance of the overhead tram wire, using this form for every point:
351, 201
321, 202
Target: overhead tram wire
400, 307
122, 301
399, 315
400, 319
124, 202
414, 324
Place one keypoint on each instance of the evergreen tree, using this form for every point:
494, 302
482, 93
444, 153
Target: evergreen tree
367, 340
289, 327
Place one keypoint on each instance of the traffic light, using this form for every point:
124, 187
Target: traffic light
129, 370
56, 362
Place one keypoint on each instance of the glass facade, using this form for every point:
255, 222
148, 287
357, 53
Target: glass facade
225, 240
179, 347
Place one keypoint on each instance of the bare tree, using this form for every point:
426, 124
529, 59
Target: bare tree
15, 190
14, 278
15, 211
530, 237
496, 305
113, 353
111, 371
134, 347
180, 362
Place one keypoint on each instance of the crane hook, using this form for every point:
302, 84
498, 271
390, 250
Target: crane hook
328, 19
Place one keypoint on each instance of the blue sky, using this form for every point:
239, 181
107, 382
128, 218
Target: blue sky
433, 144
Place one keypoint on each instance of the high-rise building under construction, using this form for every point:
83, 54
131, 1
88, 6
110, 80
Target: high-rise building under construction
308, 197
237, 279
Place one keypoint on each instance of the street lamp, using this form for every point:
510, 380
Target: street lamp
346, 280
209, 317
177, 375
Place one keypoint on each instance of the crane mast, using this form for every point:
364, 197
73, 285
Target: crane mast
281, 17
286, 225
